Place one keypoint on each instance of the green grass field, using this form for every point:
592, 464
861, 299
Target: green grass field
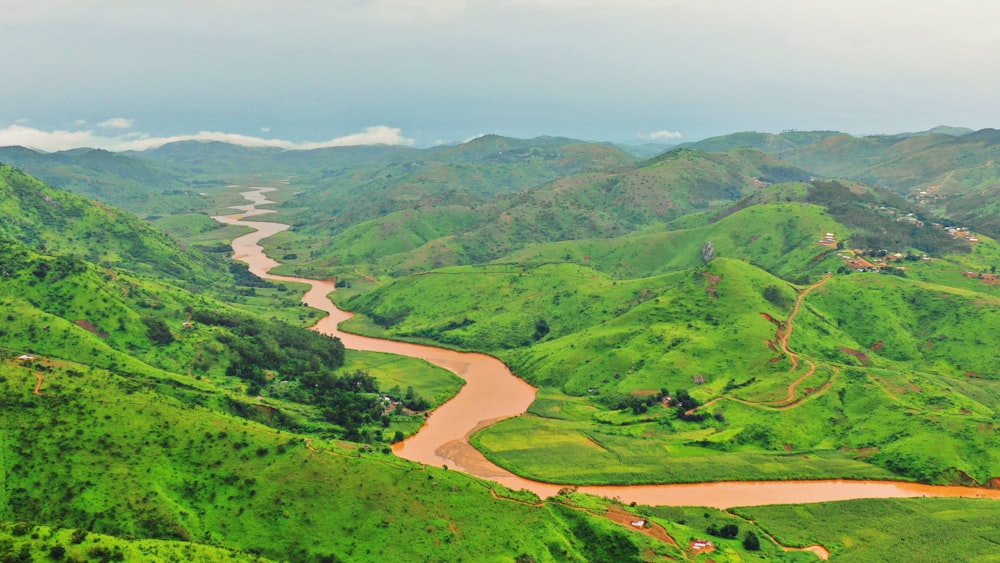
929, 529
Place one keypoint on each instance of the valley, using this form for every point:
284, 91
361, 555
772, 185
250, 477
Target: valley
557, 348
492, 393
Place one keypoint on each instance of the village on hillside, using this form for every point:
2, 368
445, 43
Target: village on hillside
886, 261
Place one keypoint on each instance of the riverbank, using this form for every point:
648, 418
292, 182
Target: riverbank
493, 393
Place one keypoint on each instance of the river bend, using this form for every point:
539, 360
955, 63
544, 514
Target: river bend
492, 393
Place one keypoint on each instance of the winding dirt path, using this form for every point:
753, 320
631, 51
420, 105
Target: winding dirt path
790, 323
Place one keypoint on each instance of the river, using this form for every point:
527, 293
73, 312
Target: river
492, 393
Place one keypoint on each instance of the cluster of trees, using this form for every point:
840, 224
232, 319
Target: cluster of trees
638, 404
731, 531
258, 346
350, 401
307, 362
681, 401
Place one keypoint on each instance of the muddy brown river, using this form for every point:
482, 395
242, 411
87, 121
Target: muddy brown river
492, 393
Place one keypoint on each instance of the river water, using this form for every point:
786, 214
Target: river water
492, 393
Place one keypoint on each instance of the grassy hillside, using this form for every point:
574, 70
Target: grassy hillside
133, 184
888, 530
56, 222
953, 170
609, 328
592, 204
135, 457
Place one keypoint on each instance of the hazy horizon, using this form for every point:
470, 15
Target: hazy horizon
301, 74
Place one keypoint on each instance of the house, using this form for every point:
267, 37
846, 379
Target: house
702, 545
639, 523
26, 358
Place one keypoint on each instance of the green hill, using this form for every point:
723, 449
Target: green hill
951, 169
594, 204
608, 327
56, 222
133, 184
157, 423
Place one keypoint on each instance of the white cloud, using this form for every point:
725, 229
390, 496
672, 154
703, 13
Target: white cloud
79, 122
377, 135
663, 135
64, 140
265, 129
117, 123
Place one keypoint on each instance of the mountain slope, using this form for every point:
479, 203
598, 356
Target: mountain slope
133, 184
606, 349
593, 204
57, 222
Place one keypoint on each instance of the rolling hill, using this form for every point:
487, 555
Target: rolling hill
133, 184
601, 203
951, 169
608, 327
687, 318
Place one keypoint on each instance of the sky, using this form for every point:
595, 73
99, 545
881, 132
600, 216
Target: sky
133, 74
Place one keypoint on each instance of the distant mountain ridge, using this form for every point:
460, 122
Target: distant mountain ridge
954, 170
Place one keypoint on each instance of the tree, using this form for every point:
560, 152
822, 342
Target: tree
751, 542
158, 331
541, 329
729, 531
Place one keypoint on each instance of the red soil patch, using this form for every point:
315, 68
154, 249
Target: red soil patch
771, 319
652, 529
91, 327
862, 453
819, 257
861, 356
38, 388
713, 281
